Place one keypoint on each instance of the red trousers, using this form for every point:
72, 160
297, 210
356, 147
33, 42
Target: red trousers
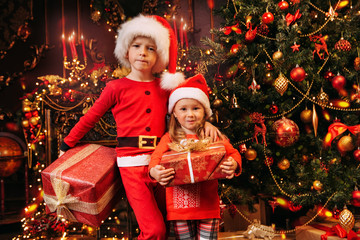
145, 198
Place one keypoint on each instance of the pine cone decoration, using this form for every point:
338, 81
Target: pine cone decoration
357, 64
343, 45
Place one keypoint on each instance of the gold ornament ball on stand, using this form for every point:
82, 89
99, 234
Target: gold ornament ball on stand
346, 220
250, 154
317, 185
306, 116
284, 164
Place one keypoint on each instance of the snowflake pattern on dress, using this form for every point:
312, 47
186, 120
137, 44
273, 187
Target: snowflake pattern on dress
186, 196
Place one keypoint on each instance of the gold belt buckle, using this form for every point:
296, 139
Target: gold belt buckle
147, 139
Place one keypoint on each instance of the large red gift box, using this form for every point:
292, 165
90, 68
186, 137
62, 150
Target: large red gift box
83, 185
195, 166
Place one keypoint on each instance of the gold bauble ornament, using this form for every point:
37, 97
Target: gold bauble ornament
317, 185
306, 116
217, 103
250, 154
34, 120
284, 164
268, 78
281, 84
25, 123
26, 109
278, 56
346, 220
345, 144
322, 98
357, 64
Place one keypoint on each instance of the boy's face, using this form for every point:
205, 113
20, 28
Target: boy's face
142, 54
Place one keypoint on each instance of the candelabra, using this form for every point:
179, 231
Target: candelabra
76, 68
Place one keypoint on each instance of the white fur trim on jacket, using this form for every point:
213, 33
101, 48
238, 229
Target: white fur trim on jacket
133, 161
146, 27
189, 92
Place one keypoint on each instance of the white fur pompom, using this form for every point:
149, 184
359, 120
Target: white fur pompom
169, 81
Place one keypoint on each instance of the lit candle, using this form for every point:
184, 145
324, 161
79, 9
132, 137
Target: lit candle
71, 46
182, 32
186, 39
73, 43
83, 47
175, 30
64, 46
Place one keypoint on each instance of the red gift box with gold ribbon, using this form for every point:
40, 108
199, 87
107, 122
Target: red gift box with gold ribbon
83, 185
195, 166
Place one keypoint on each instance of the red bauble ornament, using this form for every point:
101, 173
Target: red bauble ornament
336, 213
286, 132
338, 82
263, 29
357, 154
268, 66
283, 5
355, 200
235, 48
293, 207
274, 108
28, 115
298, 74
269, 161
329, 75
343, 45
267, 18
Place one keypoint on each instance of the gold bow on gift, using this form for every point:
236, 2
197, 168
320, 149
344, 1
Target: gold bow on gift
189, 145
62, 201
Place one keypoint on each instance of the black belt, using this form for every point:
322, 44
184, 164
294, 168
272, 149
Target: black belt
142, 141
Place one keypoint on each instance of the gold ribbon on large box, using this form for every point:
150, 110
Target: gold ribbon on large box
63, 202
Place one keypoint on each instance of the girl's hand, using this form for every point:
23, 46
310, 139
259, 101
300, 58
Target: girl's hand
211, 131
228, 167
162, 175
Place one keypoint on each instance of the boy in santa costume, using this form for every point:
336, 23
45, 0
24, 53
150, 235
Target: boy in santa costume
147, 45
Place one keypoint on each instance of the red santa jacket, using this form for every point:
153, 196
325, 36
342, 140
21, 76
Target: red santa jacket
139, 108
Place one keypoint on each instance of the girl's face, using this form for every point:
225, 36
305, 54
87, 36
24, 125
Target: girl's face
142, 54
189, 113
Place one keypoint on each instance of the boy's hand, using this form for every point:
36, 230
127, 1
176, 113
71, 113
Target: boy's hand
162, 175
228, 167
211, 131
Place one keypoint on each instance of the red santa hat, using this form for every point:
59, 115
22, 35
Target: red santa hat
195, 88
161, 32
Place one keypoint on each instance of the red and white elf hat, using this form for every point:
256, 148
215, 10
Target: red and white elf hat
161, 32
195, 88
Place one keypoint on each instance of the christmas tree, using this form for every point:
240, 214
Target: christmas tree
284, 83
